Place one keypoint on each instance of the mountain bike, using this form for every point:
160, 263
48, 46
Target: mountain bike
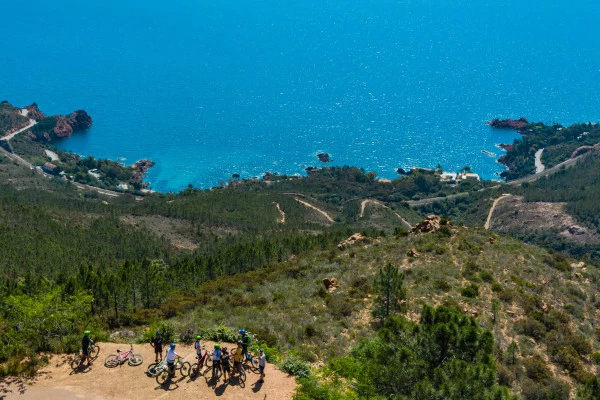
251, 362
113, 360
197, 367
92, 355
241, 371
164, 375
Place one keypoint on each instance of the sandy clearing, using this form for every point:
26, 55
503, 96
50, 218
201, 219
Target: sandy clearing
57, 381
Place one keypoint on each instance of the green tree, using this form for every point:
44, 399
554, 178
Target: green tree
391, 292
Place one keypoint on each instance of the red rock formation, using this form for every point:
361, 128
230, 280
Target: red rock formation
139, 170
509, 123
34, 112
62, 128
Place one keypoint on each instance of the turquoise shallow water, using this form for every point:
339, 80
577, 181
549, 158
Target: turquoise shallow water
210, 89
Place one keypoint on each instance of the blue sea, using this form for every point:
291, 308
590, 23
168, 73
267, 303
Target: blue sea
208, 89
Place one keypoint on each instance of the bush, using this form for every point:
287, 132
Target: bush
166, 328
486, 276
531, 327
295, 366
441, 285
471, 291
595, 357
536, 368
497, 288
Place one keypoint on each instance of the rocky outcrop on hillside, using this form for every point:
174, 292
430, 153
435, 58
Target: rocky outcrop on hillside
34, 112
430, 224
517, 125
357, 237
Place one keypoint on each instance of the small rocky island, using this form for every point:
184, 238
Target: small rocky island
324, 157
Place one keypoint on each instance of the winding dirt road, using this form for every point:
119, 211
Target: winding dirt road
364, 203
58, 382
489, 217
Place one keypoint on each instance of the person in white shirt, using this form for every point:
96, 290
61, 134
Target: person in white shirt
172, 356
262, 363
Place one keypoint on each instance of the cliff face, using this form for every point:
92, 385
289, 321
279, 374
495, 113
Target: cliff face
67, 124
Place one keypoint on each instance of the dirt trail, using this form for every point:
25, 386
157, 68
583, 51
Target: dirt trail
327, 216
364, 203
489, 217
282, 219
57, 381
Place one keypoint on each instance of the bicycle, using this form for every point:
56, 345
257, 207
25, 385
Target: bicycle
93, 351
113, 360
240, 370
197, 367
165, 374
251, 362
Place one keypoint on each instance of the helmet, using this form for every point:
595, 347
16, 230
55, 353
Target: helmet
198, 337
86, 332
158, 332
172, 345
242, 331
217, 346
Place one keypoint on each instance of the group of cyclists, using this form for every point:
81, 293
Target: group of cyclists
220, 356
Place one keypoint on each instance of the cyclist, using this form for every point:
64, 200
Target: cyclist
262, 363
238, 356
216, 357
246, 340
157, 343
198, 346
172, 356
225, 364
86, 344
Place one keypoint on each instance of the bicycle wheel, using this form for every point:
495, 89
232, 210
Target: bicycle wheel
135, 359
242, 374
185, 368
152, 369
195, 370
253, 364
94, 350
112, 360
163, 377
76, 361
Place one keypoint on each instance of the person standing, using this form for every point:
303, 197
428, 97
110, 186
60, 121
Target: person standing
86, 344
157, 343
262, 363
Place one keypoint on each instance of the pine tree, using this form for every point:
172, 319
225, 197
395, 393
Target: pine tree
391, 292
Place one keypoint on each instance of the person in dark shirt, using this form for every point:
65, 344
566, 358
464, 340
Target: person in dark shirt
86, 344
157, 343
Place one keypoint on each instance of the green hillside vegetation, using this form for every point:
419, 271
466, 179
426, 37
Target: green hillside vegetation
558, 143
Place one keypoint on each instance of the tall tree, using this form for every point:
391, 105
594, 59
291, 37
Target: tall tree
391, 292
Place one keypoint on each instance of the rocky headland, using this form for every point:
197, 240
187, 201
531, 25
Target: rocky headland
139, 170
517, 125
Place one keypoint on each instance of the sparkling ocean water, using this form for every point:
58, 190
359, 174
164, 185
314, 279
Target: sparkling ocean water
209, 89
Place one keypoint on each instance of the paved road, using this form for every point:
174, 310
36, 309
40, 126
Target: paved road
32, 122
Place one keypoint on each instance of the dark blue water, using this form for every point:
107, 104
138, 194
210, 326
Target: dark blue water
209, 89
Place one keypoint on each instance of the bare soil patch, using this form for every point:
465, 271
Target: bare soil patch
57, 381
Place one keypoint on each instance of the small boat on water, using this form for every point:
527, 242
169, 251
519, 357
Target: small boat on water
489, 153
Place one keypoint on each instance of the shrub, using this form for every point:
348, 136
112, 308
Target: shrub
486, 276
471, 291
295, 366
497, 288
536, 368
595, 357
441, 285
531, 327
166, 328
